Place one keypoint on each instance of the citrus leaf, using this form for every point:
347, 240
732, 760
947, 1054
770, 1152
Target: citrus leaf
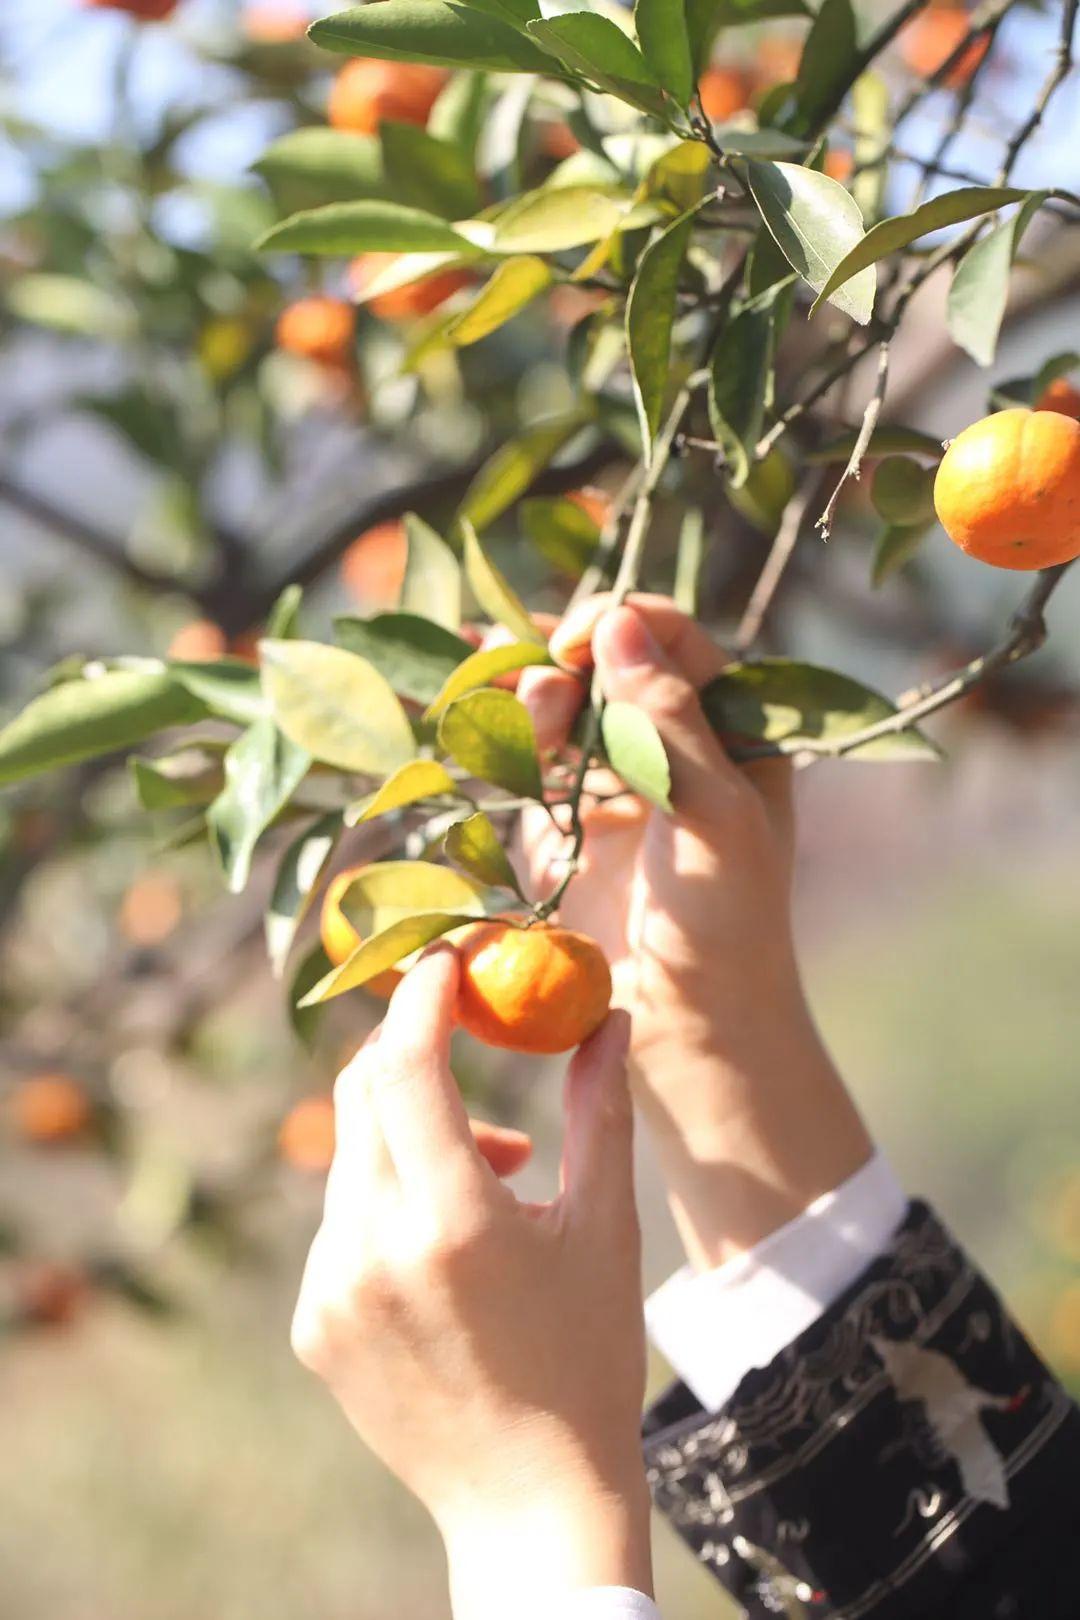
889, 235
263, 769
679, 174
495, 595
474, 844
596, 47
443, 32
557, 218
817, 226
979, 292
419, 779
888, 440
360, 227
650, 317
414, 654
298, 876
688, 561
70, 304
791, 704
386, 891
871, 113
491, 735
896, 546
459, 112
562, 531
385, 949
636, 752
484, 667
336, 705
229, 687
507, 474
428, 173
313, 966
320, 165
665, 45
829, 64
513, 285
81, 719
178, 781
738, 386
282, 618
431, 588
402, 269
757, 143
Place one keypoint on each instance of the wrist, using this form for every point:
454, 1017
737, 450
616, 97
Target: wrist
544, 1545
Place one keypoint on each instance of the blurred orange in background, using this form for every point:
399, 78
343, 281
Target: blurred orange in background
48, 1109
319, 328
365, 92
373, 568
270, 24
150, 909
414, 299
932, 36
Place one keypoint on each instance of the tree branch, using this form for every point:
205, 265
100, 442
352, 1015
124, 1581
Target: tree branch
87, 536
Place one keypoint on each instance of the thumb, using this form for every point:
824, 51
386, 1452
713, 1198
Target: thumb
598, 1147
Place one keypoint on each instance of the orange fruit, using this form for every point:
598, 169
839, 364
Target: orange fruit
366, 92
274, 24
933, 36
198, 642
410, 301
558, 141
724, 92
776, 61
151, 909
50, 1108
1062, 396
50, 1295
306, 1134
145, 10
373, 567
319, 328
839, 164
246, 645
541, 989
596, 503
1008, 489
339, 937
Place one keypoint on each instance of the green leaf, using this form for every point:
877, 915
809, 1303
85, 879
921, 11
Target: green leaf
794, 704
70, 304
557, 218
495, 595
431, 588
419, 779
817, 225
890, 235
491, 735
896, 546
888, 440
229, 687
596, 47
688, 561
263, 769
636, 752
415, 655
680, 173
367, 225
312, 967
336, 706
458, 114
562, 531
484, 667
650, 317
507, 474
871, 113
979, 292
191, 777
738, 386
298, 876
387, 948
82, 719
386, 891
426, 172
665, 45
282, 618
757, 143
474, 844
320, 165
513, 285
762, 499
829, 65
444, 32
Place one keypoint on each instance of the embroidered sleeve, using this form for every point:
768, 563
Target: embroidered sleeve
879, 1464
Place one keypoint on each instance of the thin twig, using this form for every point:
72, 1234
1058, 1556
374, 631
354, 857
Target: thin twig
776, 562
862, 441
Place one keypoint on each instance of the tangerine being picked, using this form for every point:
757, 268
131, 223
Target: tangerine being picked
340, 938
1008, 489
541, 989
366, 92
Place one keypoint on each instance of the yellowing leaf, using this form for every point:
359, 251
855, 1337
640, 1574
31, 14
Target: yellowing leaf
495, 595
383, 951
484, 667
513, 285
336, 705
474, 844
491, 735
419, 779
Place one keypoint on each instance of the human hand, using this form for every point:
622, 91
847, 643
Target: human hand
491, 1352
694, 913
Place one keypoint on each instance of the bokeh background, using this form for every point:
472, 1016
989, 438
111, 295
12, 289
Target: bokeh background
164, 468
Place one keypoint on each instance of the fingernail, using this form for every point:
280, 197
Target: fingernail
571, 641
625, 640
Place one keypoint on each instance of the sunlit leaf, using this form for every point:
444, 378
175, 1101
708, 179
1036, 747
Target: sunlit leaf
484, 667
873, 126
386, 891
474, 844
419, 779
229, 687
298, 876
491, 735
282, 619
650, 317
440, 31
513, 285
817, 225
385, 949
336, 705
414, 654
369, 225
665, 45
494, 593
979, 291
829, 65
507, 474
81, 719
554, 219
593, 45
320, 165
562, 531
636, 752
431, 588
263, 768
70, 304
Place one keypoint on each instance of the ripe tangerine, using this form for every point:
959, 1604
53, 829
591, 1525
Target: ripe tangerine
541, 989
306, 1134
339, 937
318, 328
1008, 489
48, 1109
410, 301
366, 92
723, 92
932, 38
373, 567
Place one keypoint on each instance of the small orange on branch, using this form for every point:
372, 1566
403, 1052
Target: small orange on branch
541, 989
1008, 489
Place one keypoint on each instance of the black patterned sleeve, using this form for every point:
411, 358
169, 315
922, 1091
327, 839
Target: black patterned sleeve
907, 1458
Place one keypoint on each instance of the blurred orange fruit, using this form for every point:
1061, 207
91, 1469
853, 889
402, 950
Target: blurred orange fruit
541, 989
198, 642
558, 141
1008, 489
932, 36
145, 10
724, 91
49, 1294
339, 937
272, 24
150, 909
415, 298
1062, 396
306, 1134
373, 566
776, 61
839, 164
48, 1109
596, 503
366, 91
318, 328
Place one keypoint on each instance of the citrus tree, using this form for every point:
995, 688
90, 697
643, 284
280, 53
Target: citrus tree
618, 294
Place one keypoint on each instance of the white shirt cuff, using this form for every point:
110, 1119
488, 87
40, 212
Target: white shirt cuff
604, 1603
714, 1326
